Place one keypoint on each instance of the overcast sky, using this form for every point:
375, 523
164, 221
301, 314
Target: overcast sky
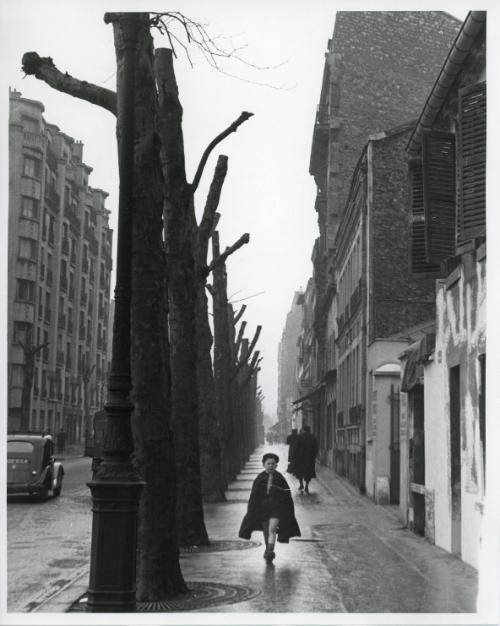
268, 191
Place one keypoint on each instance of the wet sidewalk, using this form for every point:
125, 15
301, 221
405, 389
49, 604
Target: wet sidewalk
353, 556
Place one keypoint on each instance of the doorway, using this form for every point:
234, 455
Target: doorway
455, 462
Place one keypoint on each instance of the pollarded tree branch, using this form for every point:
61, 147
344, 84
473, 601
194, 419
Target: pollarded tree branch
170, 115
247, 354
239, 315
209, 214
230, 129
44, 69
245, 238
255, 360
31, 350
240, 337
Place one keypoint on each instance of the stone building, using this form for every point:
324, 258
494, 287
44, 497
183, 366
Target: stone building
443, 421
59, 261
307, 378
287, 364
379, 67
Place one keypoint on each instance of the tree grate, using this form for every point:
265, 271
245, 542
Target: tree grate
201, 595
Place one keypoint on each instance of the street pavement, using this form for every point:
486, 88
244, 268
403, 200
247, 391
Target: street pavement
353, 556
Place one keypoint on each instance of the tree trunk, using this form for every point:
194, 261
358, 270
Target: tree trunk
158, 571
212, 477
223, 358
179, 223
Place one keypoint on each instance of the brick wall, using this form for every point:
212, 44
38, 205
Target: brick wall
400, 299
383, 65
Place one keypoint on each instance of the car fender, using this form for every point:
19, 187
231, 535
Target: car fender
57, 469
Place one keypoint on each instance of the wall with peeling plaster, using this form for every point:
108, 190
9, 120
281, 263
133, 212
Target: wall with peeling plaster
460, 340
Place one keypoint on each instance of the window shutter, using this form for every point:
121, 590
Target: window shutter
419, 264
471, 168
438, 159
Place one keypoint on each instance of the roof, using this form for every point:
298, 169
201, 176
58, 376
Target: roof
27, 437
472, 26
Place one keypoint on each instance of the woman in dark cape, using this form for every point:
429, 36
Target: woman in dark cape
270, 508
305, 457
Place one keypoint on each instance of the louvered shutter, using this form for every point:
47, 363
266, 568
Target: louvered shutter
438, 160
471, 170
419, 264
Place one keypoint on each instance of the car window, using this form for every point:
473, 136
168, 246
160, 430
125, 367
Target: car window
17, 447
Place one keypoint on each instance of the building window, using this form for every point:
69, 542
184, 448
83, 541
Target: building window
30, 124
418, 256
438, 160
32, 167
45, 225
22, 333
432, 202
27, 249
471, 170
26, 290
30, 208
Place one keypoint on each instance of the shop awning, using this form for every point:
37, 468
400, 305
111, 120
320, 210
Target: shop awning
416, 355
310, 394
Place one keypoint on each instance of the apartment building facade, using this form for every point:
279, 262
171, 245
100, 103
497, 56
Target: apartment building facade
287, 364
379, 66
443, 478
59, 268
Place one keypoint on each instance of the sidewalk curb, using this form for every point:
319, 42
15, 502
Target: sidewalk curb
61, 600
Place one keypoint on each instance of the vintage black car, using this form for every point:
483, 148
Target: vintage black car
31, 467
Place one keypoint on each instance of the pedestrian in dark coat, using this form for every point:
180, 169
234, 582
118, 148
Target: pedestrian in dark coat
270, 508
305, 458
291, 441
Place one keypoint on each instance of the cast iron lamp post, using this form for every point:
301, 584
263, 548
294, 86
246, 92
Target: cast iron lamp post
116, 486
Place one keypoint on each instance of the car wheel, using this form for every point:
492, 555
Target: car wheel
57, 490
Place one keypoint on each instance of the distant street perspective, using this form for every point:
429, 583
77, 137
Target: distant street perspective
334, 566
247, 338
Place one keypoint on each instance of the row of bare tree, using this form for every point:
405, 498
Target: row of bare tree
193, 420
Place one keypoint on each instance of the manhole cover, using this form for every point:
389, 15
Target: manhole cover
201, 595
221, 546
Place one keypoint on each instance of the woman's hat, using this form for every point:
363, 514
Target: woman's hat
270, 455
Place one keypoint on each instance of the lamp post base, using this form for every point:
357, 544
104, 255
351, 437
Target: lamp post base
115, 502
